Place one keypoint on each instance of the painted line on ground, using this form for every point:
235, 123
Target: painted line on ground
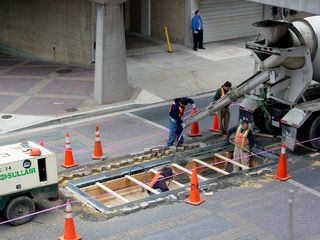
148, 121
304, 187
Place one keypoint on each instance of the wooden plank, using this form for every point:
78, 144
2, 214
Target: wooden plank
211, 167
232, 161
141, 184
188, 171
173, 181
111, 192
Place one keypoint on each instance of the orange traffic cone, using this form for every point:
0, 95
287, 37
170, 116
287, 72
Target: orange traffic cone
69, 229
68, 156
195, 129
282, 166
41, 142
215, 124
194, 196
97, 151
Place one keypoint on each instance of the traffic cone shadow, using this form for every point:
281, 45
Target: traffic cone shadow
195, 129
97, 151
69, 227
194, 195
215, 124
68, 156
282, 166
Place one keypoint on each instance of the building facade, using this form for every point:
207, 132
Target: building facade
65, 30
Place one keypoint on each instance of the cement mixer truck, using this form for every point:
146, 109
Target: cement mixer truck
283, 95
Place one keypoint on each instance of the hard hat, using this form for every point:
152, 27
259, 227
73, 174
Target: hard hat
35, 152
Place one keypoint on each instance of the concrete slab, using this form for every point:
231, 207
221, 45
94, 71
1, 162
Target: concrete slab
146, 97
69, 87
16, 121
48, 106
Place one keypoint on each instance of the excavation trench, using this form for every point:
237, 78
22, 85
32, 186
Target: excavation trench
128, 186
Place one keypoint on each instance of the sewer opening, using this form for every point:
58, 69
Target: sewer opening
71, 109
6, 116
64, 71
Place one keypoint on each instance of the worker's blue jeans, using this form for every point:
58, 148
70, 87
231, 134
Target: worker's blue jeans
175, 129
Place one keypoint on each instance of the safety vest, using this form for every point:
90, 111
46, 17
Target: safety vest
222, 92
181, 109
155, 179
241, 138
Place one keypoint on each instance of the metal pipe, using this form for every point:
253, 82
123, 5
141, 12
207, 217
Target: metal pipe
250, 84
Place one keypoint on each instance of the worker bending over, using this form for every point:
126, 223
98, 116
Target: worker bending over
176, 124
159, 180
243, 143
223, 113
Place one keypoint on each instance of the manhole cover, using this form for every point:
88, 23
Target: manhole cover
6, 116
72, 110
63, 71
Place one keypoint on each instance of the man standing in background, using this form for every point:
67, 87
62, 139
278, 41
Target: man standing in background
197, 30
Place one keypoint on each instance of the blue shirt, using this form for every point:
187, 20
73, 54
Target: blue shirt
196, 23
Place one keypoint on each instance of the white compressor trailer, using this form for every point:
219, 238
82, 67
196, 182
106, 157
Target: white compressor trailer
28, 172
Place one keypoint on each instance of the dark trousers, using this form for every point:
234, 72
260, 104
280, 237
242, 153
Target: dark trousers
198, 39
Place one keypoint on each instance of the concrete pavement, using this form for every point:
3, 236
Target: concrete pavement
33, 91
252, 210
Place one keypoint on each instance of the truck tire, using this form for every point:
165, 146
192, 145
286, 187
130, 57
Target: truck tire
18, 207
315, 133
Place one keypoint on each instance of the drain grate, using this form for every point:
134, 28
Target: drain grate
72, 109
64, 71
6, 116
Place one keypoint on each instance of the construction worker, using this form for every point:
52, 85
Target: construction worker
243, 143
159, 180
176, 124
224, 113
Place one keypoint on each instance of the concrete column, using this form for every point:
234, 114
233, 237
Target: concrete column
111, 78
190, 7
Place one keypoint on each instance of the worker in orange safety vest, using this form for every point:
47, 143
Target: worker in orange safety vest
243, 143
224, 113
159, 180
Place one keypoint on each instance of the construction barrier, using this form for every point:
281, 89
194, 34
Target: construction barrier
69, 227
195, 129
97, 151
68, 156
282, 166
194, 195
215, 124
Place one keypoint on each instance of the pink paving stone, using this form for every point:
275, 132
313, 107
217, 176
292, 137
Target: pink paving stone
9, 62
69, 87
31, 71
6, 100
47, 106
79, 72
21, 84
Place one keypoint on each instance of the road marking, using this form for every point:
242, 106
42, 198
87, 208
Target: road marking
147, 121
304, 187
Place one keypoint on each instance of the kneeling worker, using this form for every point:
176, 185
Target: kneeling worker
243, 143
159, 180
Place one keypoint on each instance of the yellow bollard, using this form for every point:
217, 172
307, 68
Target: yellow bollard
168, 40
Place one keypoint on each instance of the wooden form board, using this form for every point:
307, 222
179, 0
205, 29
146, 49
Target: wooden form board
141, 184
188, 171
211, 167
232, 161
112, 192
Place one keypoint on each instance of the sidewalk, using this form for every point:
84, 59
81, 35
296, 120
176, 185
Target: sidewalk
37, 91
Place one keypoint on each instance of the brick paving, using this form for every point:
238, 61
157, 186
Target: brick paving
212, 220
